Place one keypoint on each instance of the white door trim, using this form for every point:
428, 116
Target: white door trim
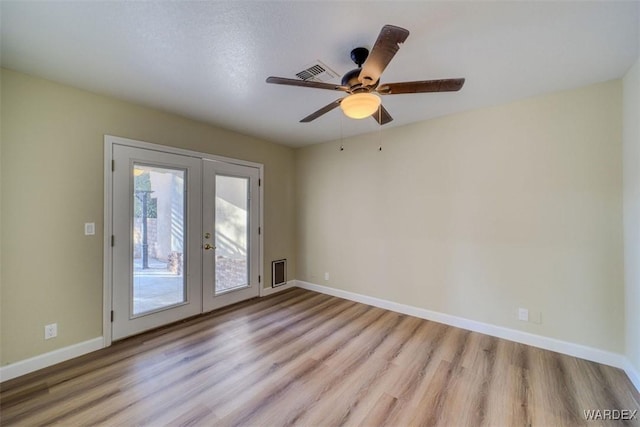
109, 141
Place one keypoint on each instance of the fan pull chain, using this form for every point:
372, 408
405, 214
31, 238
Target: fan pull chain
341, 137
380, 128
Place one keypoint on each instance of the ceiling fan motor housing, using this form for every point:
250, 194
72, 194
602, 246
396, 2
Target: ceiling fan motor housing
351, 79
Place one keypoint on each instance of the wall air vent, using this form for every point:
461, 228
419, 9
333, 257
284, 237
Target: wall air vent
278, 273
317, 72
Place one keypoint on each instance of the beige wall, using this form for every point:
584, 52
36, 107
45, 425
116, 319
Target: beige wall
52, 183
631, 102
477, 214
472, 215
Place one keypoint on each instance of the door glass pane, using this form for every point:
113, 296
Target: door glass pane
158, 238
232, 228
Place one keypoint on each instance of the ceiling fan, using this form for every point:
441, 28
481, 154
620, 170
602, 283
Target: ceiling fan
363, 83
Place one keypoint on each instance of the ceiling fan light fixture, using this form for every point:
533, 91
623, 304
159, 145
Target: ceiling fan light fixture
360, 105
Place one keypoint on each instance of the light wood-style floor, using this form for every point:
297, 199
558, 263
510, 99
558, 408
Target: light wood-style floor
303, 358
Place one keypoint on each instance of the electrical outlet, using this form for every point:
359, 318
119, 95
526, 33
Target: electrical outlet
326, 276
523, 314
50, 331
89, 228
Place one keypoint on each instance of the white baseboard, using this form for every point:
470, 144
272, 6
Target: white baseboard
33, 364
270, 291
633, 374
564, 347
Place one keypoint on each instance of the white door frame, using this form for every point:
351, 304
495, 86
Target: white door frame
109, 142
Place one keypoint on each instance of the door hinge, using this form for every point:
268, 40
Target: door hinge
112, 315
259, 182
259, 230
259, 279
113, 240
113, 165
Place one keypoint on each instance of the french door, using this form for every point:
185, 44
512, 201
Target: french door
231, 220
185, 237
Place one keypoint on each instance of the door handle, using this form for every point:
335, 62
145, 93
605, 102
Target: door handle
208, 247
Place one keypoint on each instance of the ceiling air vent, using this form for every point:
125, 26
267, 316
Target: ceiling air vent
317, 72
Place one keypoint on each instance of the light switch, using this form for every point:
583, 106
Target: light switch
89, 228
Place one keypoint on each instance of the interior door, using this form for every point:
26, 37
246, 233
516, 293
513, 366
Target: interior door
230, 233
156, 245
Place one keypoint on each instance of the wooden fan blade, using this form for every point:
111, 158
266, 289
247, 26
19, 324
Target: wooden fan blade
382, 53
382, 116
305, 83
320, 112
446, 85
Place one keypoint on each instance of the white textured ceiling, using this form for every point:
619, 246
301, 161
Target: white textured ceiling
209, 60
